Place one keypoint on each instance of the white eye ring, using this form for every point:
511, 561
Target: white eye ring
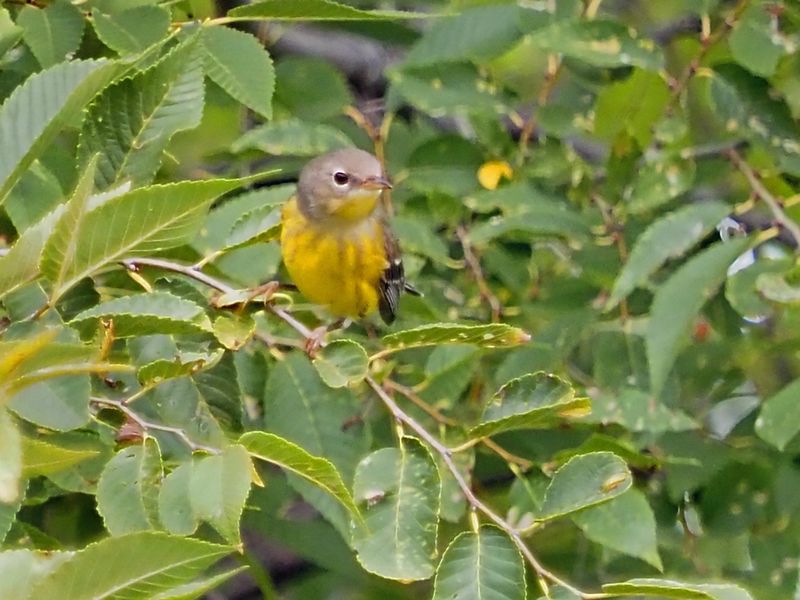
341, 178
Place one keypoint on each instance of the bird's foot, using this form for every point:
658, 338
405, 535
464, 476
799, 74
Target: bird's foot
316, 340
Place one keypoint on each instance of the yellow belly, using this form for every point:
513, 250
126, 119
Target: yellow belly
339, 268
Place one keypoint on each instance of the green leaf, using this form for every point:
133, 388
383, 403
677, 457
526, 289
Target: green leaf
132, 122
234, 331
416, 236
585, 480
174, 501
497, 335
127, 493
774, 287
141, 222
534, 400
544, 218
341, 363
315, 10
475, 34
59, 250
755, 42
598, 43
657, 182
299, 407
482, 565
43, 458
678, 301
292, 137
779, 419
60, 403
146, 314
637, 410
744, 105
238, 63
291, 457
671, 236
444, 89
21, 264
625, 524
133, 30
218, 489
144, 564
262, 224
183, 364
10, 33
666, 588
37, 110
10, 458
37, 192
311, 89
633, 105
52, 33
20, 570
398, 490
196, 589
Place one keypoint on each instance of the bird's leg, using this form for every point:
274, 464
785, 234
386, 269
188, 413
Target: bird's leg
316, 340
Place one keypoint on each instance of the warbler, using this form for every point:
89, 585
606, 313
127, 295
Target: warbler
336, 241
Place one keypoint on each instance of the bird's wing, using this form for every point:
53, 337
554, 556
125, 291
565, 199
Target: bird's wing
393, 280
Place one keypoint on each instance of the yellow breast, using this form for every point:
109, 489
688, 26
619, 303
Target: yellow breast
336, 267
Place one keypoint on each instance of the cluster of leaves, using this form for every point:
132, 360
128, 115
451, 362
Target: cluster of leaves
615, 178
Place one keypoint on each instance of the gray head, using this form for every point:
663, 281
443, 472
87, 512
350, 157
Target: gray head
344, 183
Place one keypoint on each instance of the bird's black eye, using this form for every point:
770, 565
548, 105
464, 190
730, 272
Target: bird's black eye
341, 178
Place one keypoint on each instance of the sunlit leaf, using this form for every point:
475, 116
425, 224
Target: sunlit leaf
145, 564
43, 458
290, 456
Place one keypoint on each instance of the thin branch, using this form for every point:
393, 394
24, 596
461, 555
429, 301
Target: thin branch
774, 204
477, 505
133, 264
475, 266
150, 426
415, 399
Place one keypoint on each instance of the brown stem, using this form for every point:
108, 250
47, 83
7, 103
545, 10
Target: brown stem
774, 204
475, 266
150, 426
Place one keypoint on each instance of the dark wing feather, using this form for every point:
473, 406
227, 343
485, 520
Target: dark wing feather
393, 280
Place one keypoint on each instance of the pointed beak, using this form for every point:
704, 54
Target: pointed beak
376, 183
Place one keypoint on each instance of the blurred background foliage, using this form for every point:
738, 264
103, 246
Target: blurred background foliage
615, 177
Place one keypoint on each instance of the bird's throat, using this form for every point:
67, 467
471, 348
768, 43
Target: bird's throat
355, 206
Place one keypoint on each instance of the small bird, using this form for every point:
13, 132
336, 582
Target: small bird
336, 241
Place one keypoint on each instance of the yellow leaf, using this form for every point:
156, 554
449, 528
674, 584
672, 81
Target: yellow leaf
492, 172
